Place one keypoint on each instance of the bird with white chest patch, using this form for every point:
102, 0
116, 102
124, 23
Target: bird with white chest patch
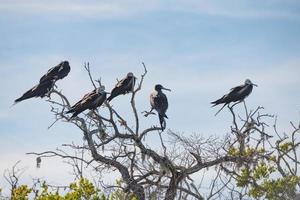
159, 102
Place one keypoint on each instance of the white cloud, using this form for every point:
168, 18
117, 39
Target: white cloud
134, 8
240, 9
86, 9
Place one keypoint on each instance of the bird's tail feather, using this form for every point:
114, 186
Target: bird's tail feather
217, 102
15, 102
110, 98
221, 109
162, 121
214, 104
70, 111
20, 99
74, 115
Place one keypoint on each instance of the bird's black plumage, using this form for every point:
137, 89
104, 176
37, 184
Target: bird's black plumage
159, 102
238, 93
124, 86
58, 72
40, 90
47, 81
90, 101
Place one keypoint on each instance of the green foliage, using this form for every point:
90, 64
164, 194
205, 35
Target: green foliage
262, 186
281, 188
249, 151
261, 178
243, 179
285, 147
46, 195
232, 151
262, 170
21, 193
81, 190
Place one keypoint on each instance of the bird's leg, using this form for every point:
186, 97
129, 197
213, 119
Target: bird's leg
48, 94
236, 103
148, 112
246, 110
93, 113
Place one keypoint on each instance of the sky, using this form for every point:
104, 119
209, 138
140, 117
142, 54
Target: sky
198, 48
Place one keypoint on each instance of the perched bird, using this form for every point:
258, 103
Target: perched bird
38, 162
124, 86
90, 101
58, 72
238, 93
47, 82
40, 90
159, 102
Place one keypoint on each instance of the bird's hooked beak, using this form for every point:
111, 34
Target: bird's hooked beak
166, 89
254, 84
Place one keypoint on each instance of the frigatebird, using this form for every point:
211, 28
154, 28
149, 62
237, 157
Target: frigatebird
90, 101
124, 86
47, 81
40, 90
238, 93
58, 72
159, 102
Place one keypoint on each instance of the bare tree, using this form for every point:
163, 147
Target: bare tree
12, 176
110, 143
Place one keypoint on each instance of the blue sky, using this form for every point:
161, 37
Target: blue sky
199, 49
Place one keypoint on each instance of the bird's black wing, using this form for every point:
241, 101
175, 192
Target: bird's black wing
235, 94
50, 73
161, 103
85, 103
236, 89
227, 98
64, 70
100, 99
120, 88
243, 93
84, 99
122, 82
40, 90
161, 106
58, 72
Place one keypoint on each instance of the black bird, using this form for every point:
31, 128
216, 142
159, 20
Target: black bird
124, 86
159, 102
58, 72
238, 93
40, 90
90, 101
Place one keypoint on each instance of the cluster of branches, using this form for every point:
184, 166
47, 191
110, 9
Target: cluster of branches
170, 172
